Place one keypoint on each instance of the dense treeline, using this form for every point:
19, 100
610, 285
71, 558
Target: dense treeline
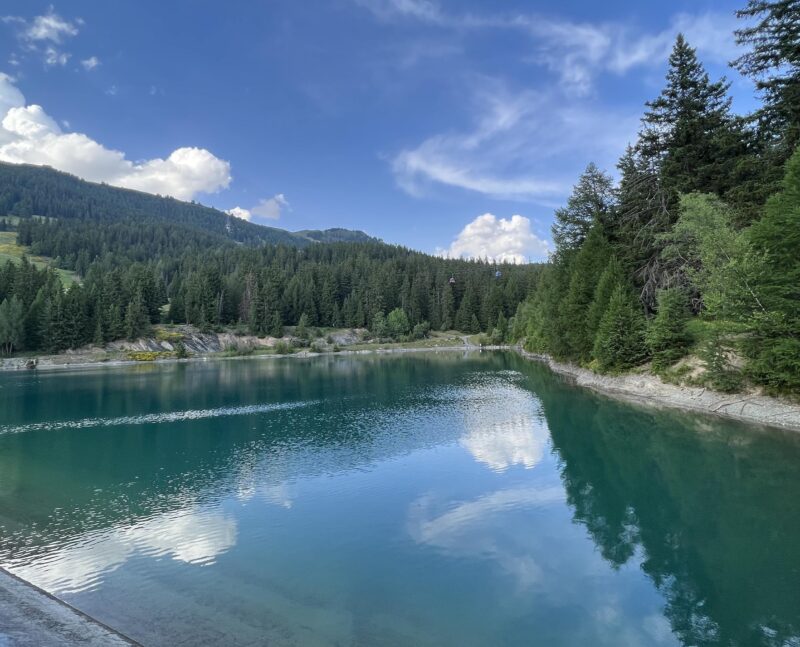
698, 244
257, 289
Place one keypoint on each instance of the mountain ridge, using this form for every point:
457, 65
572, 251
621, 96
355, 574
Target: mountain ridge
31, 190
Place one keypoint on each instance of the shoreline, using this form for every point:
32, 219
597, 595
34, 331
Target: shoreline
638, 388
649, 390
30, 616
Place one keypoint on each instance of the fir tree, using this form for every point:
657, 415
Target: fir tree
667, 335
620, 342
773, 62
590, 202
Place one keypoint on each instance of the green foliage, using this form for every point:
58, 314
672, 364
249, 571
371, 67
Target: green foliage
719, 373
667, 335
147, 355
180, 350
12, 325
717, 259
301, 331
585, 269
772, 60
421, 331
620, 342
590, 202
397, 324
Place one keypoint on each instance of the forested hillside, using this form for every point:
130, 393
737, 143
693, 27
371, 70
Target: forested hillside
697, 247
40, 191
144, 259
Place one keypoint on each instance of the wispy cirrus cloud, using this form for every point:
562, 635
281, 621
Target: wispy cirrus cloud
44, 35
519, 146
576, 52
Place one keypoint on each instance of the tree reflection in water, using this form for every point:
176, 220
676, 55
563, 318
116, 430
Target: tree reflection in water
710, 508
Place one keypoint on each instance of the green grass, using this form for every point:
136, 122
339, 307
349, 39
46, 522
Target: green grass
11, 251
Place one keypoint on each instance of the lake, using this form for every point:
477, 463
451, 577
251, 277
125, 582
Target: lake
410, 499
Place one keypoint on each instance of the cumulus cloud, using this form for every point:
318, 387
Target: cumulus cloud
271, 208
498, 239
29, 135
239, 212
90, 63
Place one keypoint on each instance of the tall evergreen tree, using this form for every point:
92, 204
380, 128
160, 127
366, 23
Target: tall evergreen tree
687, 130
773, 62
590, 202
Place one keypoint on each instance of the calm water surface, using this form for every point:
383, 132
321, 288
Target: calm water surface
425, 499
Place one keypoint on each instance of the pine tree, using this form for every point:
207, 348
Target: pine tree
590, 202
301, 331
667, 335
611, 277
773, 62
620, 342
774, 344
137, 319
276, 325
585, 270
12, 325
685, 129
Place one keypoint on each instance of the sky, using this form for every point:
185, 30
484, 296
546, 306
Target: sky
452, 127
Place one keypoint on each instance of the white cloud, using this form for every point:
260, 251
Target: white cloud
577, 52
507, 241
90, 63
52, 56
239, 212
502, 443
49, 27
29, 135
521, 146
42, 34
271, 208
195, 536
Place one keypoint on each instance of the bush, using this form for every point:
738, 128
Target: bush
421, 330
147, 355
397, 323
180, 350
282, 348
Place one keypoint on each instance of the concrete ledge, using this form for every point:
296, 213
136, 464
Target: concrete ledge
31, 617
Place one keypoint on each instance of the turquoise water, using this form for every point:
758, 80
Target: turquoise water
419, 499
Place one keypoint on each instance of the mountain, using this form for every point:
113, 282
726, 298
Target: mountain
27, 190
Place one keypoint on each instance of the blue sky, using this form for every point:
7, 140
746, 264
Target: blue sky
426, 123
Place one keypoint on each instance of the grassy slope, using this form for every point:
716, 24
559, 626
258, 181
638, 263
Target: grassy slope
11, 251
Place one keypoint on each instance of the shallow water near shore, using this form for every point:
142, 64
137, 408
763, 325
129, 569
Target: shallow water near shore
410, 499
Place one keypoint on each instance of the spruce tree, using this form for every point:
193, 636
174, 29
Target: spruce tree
611, 277
773, 62
620, 342
685, 129
590, 202
667, 335
774, 344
